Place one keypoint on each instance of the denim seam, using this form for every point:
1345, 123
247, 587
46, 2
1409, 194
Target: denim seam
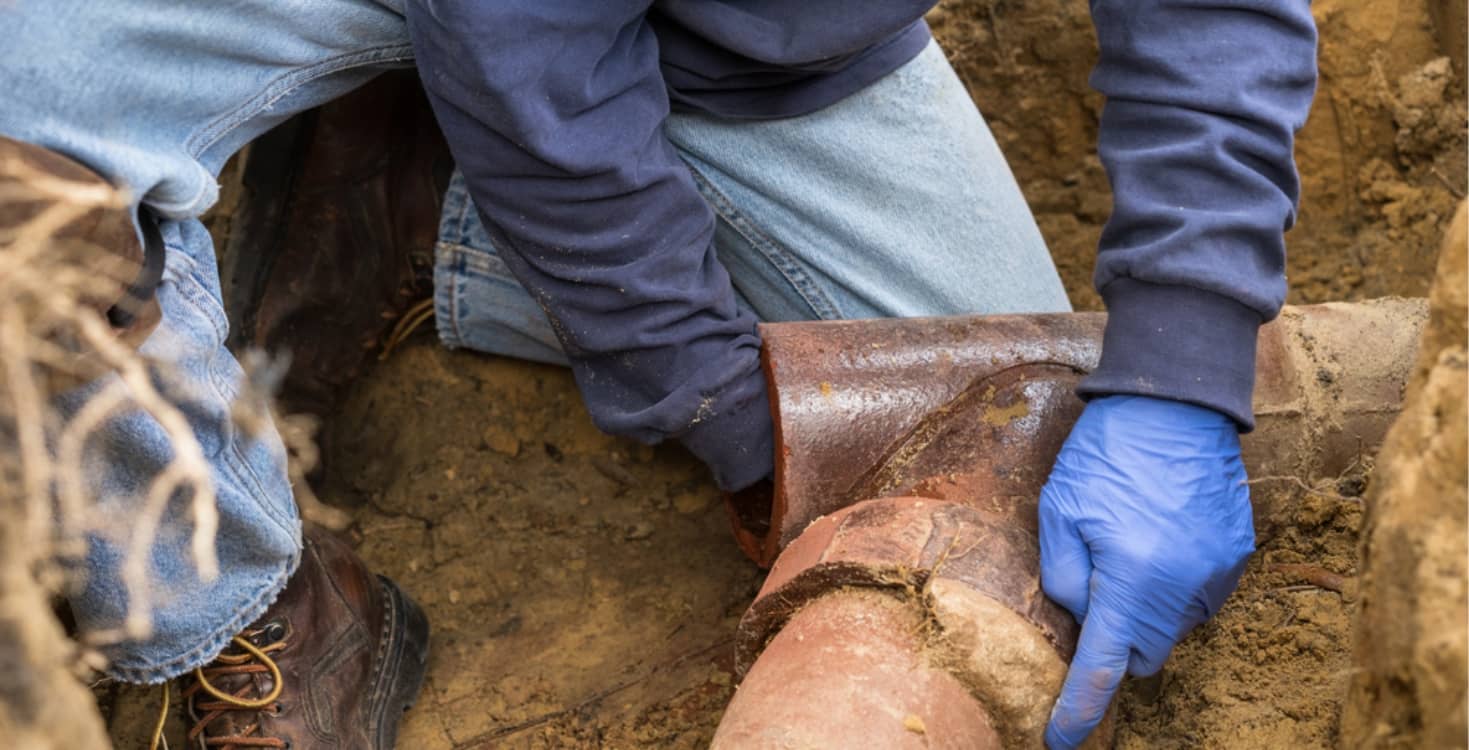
243, 470
800, 280
448, 325
286, 84
240, 469
194, 291
464, 204
444, 323
260, 600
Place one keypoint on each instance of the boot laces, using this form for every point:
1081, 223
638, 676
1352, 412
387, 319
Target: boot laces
250, 659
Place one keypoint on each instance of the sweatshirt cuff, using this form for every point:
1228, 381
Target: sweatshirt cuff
738, 445
1178, 343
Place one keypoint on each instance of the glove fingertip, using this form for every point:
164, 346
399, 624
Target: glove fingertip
1096, 671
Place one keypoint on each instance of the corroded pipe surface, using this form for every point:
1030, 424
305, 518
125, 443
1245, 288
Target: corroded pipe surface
974, 409
848, 671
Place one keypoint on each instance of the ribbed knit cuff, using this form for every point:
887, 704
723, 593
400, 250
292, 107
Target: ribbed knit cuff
738, 445
1178, 343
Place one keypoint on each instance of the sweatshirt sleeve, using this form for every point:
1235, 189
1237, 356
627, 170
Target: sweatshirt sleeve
1203, 100
554, 112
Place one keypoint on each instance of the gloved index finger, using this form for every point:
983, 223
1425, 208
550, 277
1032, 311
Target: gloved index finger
1096, 671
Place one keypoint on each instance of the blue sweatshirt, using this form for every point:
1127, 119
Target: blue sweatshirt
554, 109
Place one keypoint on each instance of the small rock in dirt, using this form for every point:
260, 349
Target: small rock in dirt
509, 627
914, 724
639, 530
502, 441
609, 468
690, 503
454, 596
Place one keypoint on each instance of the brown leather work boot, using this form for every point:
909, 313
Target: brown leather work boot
334, 238
333, 664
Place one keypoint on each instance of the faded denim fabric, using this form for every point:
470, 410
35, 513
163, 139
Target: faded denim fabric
895, 201
156, 97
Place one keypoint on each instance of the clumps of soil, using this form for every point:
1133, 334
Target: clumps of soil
1270, 669
1409, 687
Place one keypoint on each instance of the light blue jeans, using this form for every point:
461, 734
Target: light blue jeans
893, 202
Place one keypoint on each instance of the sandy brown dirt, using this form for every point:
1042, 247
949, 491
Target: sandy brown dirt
584, 590
1270, 669
1410, 683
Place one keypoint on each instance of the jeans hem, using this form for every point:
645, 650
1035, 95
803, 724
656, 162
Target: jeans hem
171, 667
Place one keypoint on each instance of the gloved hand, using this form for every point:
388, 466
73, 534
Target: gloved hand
1145, 527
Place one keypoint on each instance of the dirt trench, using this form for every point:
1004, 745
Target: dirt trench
584, 590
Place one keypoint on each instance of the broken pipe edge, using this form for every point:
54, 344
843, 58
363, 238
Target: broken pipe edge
970, 589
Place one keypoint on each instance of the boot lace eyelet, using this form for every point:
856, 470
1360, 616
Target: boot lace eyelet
274, 632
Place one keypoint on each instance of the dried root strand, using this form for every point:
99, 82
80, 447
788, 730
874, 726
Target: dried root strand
49, 333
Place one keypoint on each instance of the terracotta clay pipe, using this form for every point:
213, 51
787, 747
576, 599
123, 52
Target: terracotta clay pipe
910, 454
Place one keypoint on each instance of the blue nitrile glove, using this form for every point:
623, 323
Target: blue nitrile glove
1145, 527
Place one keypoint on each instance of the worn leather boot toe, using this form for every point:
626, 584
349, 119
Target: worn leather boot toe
332, 665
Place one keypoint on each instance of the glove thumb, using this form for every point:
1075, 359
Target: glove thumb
1066, 562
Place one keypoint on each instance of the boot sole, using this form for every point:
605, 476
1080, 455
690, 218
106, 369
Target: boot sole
404, 661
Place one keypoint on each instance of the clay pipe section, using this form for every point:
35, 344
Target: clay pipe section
974, 409
886, 696
901, 623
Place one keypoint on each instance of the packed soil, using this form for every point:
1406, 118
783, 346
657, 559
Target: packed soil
584, 590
